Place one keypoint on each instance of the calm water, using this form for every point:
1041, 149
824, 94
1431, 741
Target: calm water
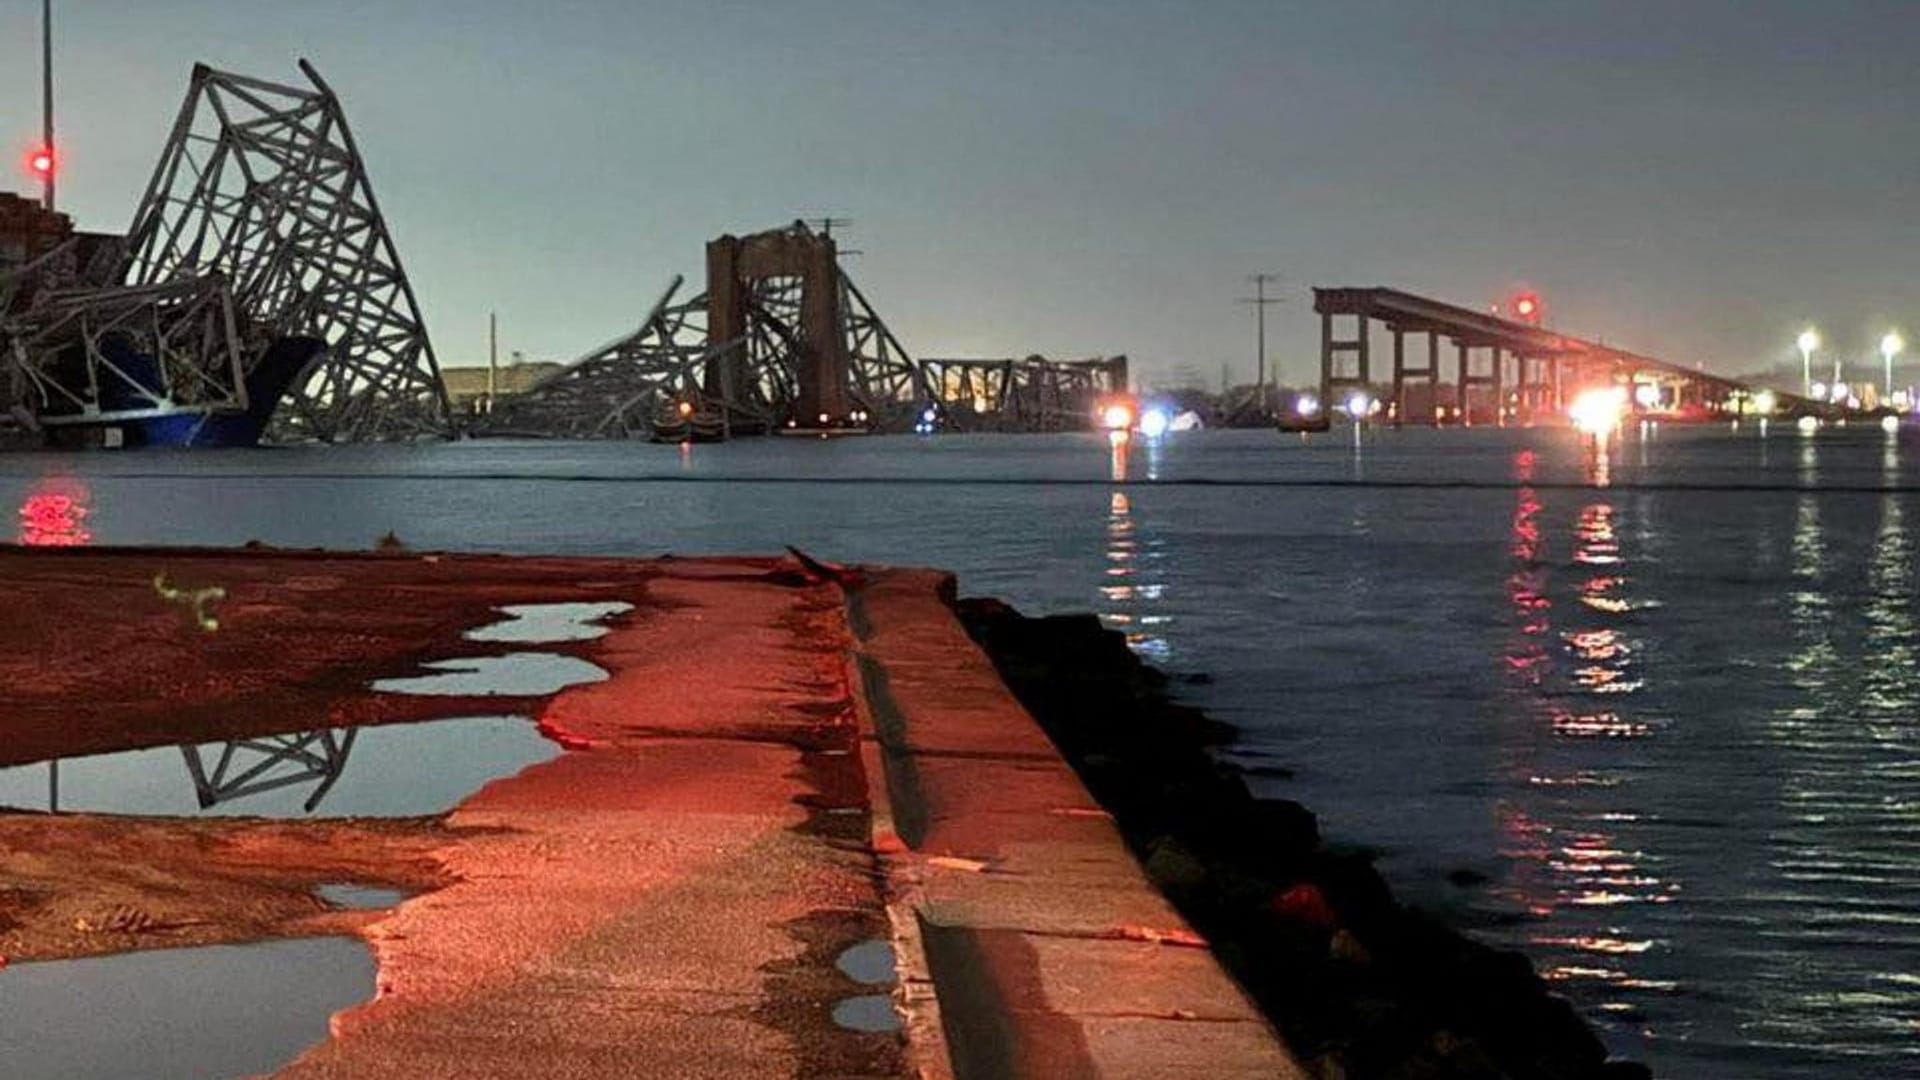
1664, 703
177, 1014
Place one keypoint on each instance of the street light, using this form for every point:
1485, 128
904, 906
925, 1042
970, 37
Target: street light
1890, 347
1809, 341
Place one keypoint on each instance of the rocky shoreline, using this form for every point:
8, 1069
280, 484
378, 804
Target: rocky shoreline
1361, 986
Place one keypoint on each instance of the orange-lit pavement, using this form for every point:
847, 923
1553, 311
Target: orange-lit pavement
773, 772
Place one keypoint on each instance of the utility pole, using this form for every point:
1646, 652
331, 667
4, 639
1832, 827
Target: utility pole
46, 104
1260, 300
493, 358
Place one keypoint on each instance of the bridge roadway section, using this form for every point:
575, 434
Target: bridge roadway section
1507, 358
782, 763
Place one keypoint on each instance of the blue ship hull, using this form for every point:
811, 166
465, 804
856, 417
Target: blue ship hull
285, 359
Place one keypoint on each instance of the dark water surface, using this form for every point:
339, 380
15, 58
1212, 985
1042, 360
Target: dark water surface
1663, 703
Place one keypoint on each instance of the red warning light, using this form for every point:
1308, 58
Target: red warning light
40, 162
1526, 307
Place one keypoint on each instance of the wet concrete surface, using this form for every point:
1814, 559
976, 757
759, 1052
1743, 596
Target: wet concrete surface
678, 895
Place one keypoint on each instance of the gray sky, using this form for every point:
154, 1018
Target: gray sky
1692, 179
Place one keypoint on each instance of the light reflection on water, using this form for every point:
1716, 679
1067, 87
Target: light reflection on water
1711, 949
1133, 588
1673, 728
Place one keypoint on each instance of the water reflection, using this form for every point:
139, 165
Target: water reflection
1565, 826
1838, 944
221, 1010
412, 769
1133, 589
54, 514
248, 767
1599, 461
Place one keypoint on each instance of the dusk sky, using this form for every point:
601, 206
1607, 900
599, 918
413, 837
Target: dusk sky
1694, 180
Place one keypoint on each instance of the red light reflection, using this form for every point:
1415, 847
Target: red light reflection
55, 516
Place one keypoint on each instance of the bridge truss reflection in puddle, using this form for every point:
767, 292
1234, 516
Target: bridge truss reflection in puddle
411, 769
223, 773
248, 767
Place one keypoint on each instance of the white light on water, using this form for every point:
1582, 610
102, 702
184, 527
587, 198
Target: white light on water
1306, 405
1598, 411
1890, 424
1358, 405
1809, 424
1154, 422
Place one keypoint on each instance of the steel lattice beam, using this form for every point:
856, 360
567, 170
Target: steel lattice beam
1034, 394
133, 351
778, 352
262, 184
616, 390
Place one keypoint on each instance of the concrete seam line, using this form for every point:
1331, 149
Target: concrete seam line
927, 1052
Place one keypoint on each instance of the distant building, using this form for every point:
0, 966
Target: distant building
28, 231
467, 386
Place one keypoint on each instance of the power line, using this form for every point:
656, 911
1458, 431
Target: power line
1261, 301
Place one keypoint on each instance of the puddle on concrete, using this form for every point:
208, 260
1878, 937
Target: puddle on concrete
868, 1012
550, 622
359, 897
527, 674
170, 1014
391, 770
869, 962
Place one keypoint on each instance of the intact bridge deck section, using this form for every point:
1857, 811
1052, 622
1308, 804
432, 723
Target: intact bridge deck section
1502, 369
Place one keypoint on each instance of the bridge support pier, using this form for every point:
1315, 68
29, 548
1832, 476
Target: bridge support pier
1430, 373
1345, 363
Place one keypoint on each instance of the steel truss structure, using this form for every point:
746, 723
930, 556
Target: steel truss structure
262, 186
615, 391
794, 339
130, 352
1034, 394
885, 382
258, 227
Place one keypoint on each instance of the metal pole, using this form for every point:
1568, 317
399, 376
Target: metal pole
493, 357
46, 103
1259, 300
1260, 324
1806, 372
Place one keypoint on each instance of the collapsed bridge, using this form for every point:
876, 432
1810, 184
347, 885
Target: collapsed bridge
257, 291
783, 340
258, 294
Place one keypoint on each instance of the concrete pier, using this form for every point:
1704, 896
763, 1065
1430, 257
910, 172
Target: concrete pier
782, 763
